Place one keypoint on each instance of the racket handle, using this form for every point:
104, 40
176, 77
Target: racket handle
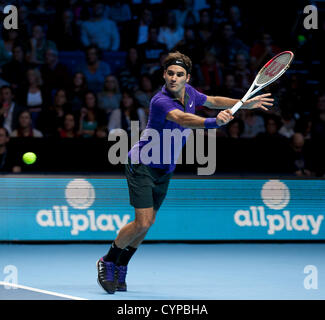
236, 107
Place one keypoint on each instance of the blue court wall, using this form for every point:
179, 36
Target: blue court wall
68, 208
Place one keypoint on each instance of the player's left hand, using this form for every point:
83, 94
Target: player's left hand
260, 101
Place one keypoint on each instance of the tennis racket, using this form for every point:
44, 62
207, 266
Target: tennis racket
270, 72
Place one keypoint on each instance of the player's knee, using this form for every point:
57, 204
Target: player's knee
144, 225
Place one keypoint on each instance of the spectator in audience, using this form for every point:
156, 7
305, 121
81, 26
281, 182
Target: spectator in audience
8, 160
157, 76
272, 126
243, 74
253, 124
235, 128
10, 39
77, 92
263, 50
136, 31
186, 16
170, 34
210, 73
54, 73
205, 31
298, 159
52, 117
229, 87
16, 69
288, 124
118, 11
69, 128
238, 23
229, 45
34, 95
132, 70
145, 93
217, 11
95, 69
100, 31
39, 45
65, 32
110, 98
9, 109
90, 117
304, 126
150, 50
25, 128
129, 111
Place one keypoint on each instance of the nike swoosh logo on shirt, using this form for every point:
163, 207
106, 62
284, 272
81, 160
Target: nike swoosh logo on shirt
191, 104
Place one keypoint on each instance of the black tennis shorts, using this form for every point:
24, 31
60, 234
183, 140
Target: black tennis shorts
147, 186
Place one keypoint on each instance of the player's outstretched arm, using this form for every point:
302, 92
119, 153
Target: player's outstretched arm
188, 120
260, 101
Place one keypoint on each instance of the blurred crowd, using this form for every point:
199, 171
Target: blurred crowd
41, 98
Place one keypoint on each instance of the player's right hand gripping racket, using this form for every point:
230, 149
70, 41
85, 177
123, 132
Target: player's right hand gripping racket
271, 71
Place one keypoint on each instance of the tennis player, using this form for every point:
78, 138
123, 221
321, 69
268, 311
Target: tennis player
171, 108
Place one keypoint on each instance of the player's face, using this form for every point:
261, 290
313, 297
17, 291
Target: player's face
176, 78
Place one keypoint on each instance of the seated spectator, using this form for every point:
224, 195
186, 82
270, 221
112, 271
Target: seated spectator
145, 93
9, 109
253, 124
65, 32
101, 131
229, 45
136, 32
10, 39
229, 88
272, 126
299, 159
239, 24
263, 50
100, 31
118, 11
170, 34
157, 76
304, 126
52, 117
188, 46
34, 96
150, 50
15, 70
90, 117
110, 98
129, 111
210, 74
69, 128
243, 74
186, 16
288, 124
25, 128
8, 160
95, 69
235, 128
39, 45
54, 73
77, 92
132, 70
204, 30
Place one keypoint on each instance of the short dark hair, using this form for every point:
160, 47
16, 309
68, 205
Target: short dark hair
173, 56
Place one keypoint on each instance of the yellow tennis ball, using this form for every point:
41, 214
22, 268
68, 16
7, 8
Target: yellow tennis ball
29, 157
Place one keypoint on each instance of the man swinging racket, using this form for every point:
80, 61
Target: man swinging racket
171, 108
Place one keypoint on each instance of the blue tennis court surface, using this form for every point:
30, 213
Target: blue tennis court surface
167, 271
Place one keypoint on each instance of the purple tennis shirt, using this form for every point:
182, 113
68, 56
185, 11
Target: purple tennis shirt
155, 148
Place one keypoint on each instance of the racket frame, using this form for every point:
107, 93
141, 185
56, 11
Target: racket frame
251, 91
